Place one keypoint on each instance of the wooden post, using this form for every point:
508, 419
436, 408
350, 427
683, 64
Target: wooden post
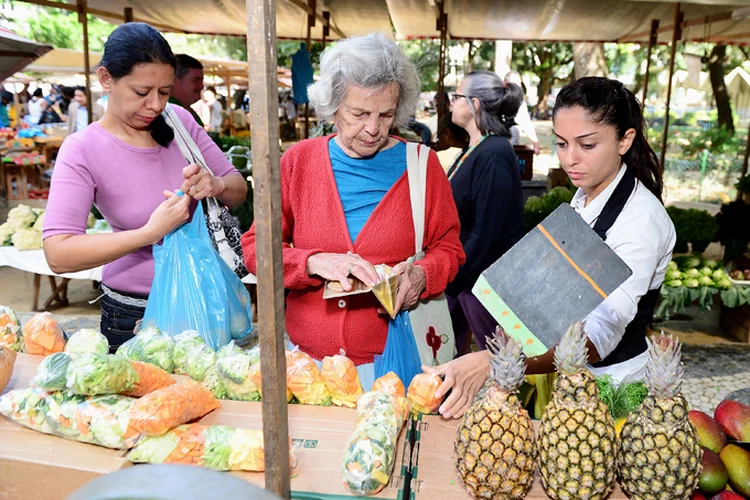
312, 6
228, 82
442, 25
83, 19
128, 14
17, 104
744, 162
676, 36
326, 26
262, 79
652, 39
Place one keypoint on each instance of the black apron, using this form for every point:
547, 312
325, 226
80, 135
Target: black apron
633, 342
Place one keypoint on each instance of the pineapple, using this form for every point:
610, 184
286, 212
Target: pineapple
577, 439
661, 455
494, 447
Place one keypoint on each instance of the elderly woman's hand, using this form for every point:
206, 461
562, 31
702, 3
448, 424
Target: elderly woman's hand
465, 376
199, 183
412, 285
339, 266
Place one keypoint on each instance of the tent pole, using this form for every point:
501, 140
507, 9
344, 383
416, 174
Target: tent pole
651, 42
676, 36
745, 162
83, 19
326, 26
264, 98
310, 23
229, 99
443, 27
17, 104
128, 14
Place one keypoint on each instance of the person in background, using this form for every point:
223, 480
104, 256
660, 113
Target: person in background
330, 188
215, 110
35, 107
422, 130
78, 117
486, 186
523, 119
5, 99
452, 141
291, 114
188, 84
49, 115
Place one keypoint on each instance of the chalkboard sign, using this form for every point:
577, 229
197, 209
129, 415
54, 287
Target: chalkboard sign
556, 275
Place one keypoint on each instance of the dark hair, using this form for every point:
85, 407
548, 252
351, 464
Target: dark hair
498, 101
609, 102
38, 93
133, 44
4, 94
79, 88
446, 123
68, 92
185, 63
211, 88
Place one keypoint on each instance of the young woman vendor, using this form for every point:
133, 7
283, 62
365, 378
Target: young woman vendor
126, 164
602, 146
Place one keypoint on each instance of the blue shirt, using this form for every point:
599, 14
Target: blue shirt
363, 182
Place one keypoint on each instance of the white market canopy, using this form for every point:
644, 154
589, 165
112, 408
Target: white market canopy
17, 52
62, 61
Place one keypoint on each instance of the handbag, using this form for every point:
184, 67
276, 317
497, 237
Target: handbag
430, 319
223, 229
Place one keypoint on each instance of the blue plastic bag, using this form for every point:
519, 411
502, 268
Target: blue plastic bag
400, 354
194, 289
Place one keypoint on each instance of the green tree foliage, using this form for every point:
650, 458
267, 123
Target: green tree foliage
550, 62
425, 54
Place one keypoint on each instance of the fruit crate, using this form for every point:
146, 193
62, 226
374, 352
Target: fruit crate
433, 473
736, 322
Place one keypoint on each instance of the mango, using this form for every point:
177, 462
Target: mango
727, 495
710, 433
714, 475
734, 418
737, 461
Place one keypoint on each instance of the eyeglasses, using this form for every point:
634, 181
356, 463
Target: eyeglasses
454, 97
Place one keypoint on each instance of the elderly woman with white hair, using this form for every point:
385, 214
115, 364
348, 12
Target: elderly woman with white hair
346, 206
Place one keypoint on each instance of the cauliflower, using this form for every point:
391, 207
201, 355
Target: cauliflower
6, 231
27, 239
39, 224
21, 216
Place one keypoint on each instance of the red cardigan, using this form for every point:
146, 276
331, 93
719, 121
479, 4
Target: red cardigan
313, 221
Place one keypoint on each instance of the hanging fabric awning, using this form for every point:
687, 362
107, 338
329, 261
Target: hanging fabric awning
17, 52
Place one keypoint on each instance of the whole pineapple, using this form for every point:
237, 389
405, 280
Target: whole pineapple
660, 454
494, 446
577, 439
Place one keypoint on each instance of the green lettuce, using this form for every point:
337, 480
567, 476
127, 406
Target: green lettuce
93, 374
51, 374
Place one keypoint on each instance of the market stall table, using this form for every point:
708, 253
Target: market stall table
33, 261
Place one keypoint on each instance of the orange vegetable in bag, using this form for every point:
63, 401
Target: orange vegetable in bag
150, 379
421, 393
304, 380
256, 377
164, 409
342, 380
43, 335
390, 384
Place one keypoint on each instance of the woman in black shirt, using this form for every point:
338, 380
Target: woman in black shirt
486, 184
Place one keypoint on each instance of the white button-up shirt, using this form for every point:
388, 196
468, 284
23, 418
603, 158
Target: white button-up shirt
643, 236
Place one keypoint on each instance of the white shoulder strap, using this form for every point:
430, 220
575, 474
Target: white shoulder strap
188, 147
416, 166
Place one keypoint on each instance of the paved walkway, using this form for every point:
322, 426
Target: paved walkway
714, 373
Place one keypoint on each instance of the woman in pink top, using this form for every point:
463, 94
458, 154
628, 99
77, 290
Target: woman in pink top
126, 164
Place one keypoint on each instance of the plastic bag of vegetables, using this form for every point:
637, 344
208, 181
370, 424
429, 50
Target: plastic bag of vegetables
43, 335
101, 420
215, 447
150, 345
235, 375
184, 343
370, 455
390, 384
421, 393
11, 333
164, 409
304, 380
86, 341
92, 374
342, 380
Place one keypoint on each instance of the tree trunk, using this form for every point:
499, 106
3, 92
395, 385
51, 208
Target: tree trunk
721, 95
543, 90
589, 59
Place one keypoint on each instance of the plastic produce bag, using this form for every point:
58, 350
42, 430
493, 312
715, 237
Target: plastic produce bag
370, 456
400, 355
150, 378
421, 393
86, 341
101, 420
52, 372
11, 333
342, 380
164, 409
215, 447
42, 335
150, 345
304, 380
194, 289
390, 384
184, 343
235, 375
